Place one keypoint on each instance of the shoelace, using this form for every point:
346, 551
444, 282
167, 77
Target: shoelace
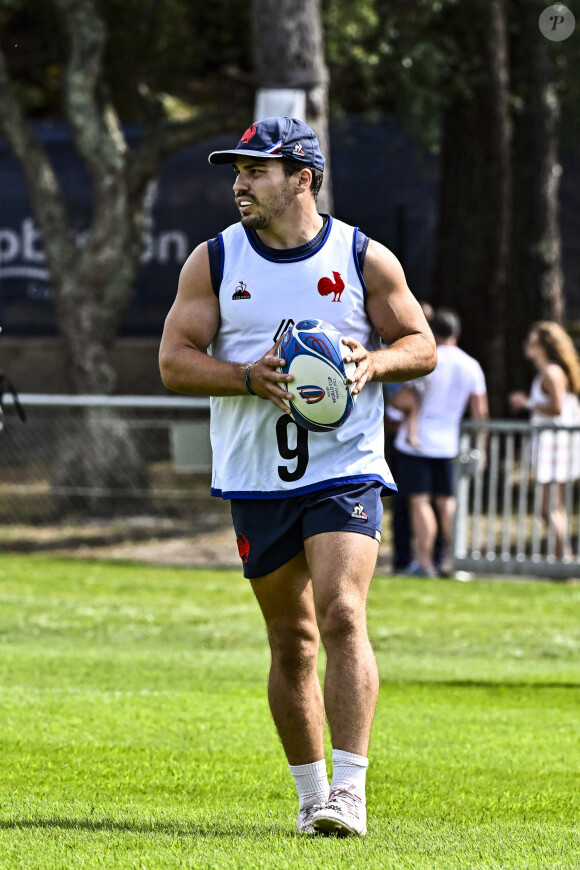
347, 797
307, 812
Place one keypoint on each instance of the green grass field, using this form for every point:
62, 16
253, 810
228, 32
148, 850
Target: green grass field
136, 734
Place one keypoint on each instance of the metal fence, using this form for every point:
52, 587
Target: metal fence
147, 460
77, 458
500, 526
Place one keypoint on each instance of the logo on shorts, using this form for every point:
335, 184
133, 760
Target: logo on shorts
359, 512
243, 547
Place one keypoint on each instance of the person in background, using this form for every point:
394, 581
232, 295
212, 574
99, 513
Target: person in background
400, 525
426, 472
553, 398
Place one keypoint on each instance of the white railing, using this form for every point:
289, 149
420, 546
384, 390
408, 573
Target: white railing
139, 403
499, 527
499, 524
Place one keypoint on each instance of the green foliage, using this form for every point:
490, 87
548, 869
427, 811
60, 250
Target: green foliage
30, 38
136, 731
407, 58
392, 56
176, 46
413, 58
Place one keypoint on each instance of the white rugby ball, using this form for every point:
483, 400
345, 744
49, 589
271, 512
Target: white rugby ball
313, 352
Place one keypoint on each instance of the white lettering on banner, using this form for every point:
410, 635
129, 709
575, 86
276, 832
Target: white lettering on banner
9, 246
38, 292
19, 253
159, 248
30, 239
22, 257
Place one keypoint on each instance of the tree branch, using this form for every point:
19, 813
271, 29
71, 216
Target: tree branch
93, 121
43, 187
163, 140
97, 135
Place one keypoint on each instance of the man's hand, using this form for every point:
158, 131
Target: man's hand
267, 382
364, 363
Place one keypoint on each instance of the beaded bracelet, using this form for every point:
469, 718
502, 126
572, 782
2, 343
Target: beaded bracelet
247, 379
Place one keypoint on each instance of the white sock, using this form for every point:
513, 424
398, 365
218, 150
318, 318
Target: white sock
311, 782
349, 770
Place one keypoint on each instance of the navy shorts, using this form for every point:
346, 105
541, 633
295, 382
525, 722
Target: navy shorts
271, 531
424, 474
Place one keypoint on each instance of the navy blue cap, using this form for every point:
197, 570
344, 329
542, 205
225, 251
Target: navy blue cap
276, 137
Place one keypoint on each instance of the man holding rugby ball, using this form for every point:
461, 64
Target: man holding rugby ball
306, 506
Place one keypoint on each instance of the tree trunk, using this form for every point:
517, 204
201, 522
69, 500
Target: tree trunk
499, 168
99, 467
289, 53
472, 238
92, 279
536, 291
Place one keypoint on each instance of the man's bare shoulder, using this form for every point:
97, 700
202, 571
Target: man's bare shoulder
380, 263
195, 276
193, 319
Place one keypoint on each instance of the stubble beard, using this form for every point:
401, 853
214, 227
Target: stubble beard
270, 211
255, 222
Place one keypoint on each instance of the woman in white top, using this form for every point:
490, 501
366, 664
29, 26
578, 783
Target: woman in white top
553, 399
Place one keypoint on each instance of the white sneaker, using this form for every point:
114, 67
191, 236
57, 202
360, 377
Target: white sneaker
344, 814
305, 816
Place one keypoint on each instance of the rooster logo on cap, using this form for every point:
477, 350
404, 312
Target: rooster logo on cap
249, 133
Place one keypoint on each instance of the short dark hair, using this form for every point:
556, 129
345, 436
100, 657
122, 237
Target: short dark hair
445, 323
292, 166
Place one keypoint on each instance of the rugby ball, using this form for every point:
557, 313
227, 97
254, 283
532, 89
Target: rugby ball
313, 352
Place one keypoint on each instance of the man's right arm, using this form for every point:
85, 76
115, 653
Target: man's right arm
191, 326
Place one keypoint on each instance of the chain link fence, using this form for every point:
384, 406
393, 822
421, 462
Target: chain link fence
133, 463
132, 468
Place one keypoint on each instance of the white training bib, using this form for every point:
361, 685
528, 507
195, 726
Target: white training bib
258, 451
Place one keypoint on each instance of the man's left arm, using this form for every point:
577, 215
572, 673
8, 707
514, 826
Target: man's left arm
399, 320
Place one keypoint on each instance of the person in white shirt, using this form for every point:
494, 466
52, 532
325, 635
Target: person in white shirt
428, 440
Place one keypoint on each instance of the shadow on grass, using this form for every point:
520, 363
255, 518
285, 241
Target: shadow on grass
482, 684
210, 830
